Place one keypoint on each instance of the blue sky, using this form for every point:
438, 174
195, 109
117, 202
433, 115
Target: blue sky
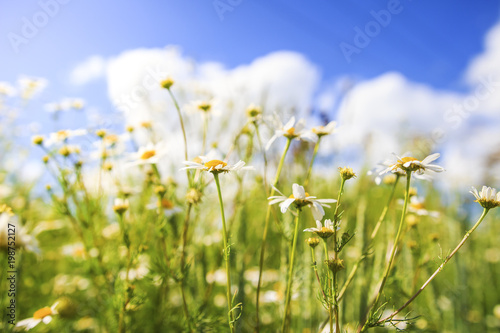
427, 41
427, 45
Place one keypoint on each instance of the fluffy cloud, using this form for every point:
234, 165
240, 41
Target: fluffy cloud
282, 82
88, 70
379, 116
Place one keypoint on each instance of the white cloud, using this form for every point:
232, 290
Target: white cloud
283, 82
376, 117
88, 70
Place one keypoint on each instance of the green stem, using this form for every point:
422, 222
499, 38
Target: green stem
226, 254
309, 170
183, 131
266, 229
372, 237
393, 251
290, 273
334, 301
315, 266
183, 266
439, 269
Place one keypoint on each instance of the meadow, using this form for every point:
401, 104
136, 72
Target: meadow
118, 234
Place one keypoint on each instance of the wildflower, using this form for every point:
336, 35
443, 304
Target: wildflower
488, 197
324, 130
31, 86
63, 135
37, 140
120, 206
168, 207
290, 131
7, 89
417, 206
301, 198
193, 196
411, 164
312, 241
67, 150
346, 173
100, 133
149, 154
335, 265
254, 113
214, 166
167, 83
43, 315
325, 231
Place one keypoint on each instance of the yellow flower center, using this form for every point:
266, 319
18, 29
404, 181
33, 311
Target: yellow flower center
148, 154
42, 313
417, 205
213, 163
403, 160
62, 135
318, 130
204, 107
167, 204
291, 131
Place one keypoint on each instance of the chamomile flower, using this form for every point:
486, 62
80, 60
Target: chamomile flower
291, 130
299, 199
43, 315
149, 154
391, 178
410, 164
325, 130
31, 86
6, 89
63, 136
323, 231
488, 197
417, 206
214, 166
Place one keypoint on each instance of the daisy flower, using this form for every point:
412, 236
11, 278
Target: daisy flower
410, 164
31, 86
43, 315
488, 197
63, 136
291, 130
301, 198
323, 231
417, 206
325, 130
214, 166
6, 89
149, 154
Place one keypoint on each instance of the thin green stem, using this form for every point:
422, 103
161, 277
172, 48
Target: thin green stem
183, 131
309, 170
315, 267
226, 254
439, 269
266, 229
182, 123
334, 302
183, 266
290, 274
393, 251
